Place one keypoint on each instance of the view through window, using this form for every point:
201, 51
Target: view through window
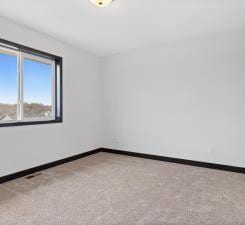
37, 84
8, 86
29, 86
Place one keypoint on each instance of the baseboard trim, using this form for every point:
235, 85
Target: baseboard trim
177, 160
121, 152
46, 166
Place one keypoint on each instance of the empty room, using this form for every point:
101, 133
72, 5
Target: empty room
122, 112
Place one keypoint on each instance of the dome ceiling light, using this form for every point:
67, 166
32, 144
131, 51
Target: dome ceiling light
101, 3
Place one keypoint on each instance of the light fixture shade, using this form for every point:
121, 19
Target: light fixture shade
101, 3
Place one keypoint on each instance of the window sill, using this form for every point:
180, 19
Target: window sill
25, 123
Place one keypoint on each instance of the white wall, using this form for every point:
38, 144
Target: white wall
25, 147
185, 99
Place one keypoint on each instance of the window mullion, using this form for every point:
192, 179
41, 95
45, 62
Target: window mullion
20, 87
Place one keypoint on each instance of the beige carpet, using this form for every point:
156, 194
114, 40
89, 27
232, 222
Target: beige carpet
108, 189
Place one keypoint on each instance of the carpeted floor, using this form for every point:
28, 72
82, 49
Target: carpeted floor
108, 189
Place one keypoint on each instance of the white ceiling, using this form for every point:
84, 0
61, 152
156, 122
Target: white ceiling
126, 24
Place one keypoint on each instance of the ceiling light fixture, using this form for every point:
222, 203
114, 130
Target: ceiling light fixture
101, 3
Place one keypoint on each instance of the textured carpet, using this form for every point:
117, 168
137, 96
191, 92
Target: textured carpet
108, 189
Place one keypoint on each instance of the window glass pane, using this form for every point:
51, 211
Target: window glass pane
37, 85
8, 87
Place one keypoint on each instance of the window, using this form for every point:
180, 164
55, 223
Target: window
30, 86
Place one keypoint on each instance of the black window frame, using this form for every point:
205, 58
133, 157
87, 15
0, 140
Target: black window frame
58, 63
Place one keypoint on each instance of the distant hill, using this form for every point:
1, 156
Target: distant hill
30, 110
36, 110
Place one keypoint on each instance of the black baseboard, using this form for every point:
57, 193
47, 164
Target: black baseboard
134, 154
177, 160
46, 166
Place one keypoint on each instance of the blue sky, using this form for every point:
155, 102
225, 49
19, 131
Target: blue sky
37, 81
8, 79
